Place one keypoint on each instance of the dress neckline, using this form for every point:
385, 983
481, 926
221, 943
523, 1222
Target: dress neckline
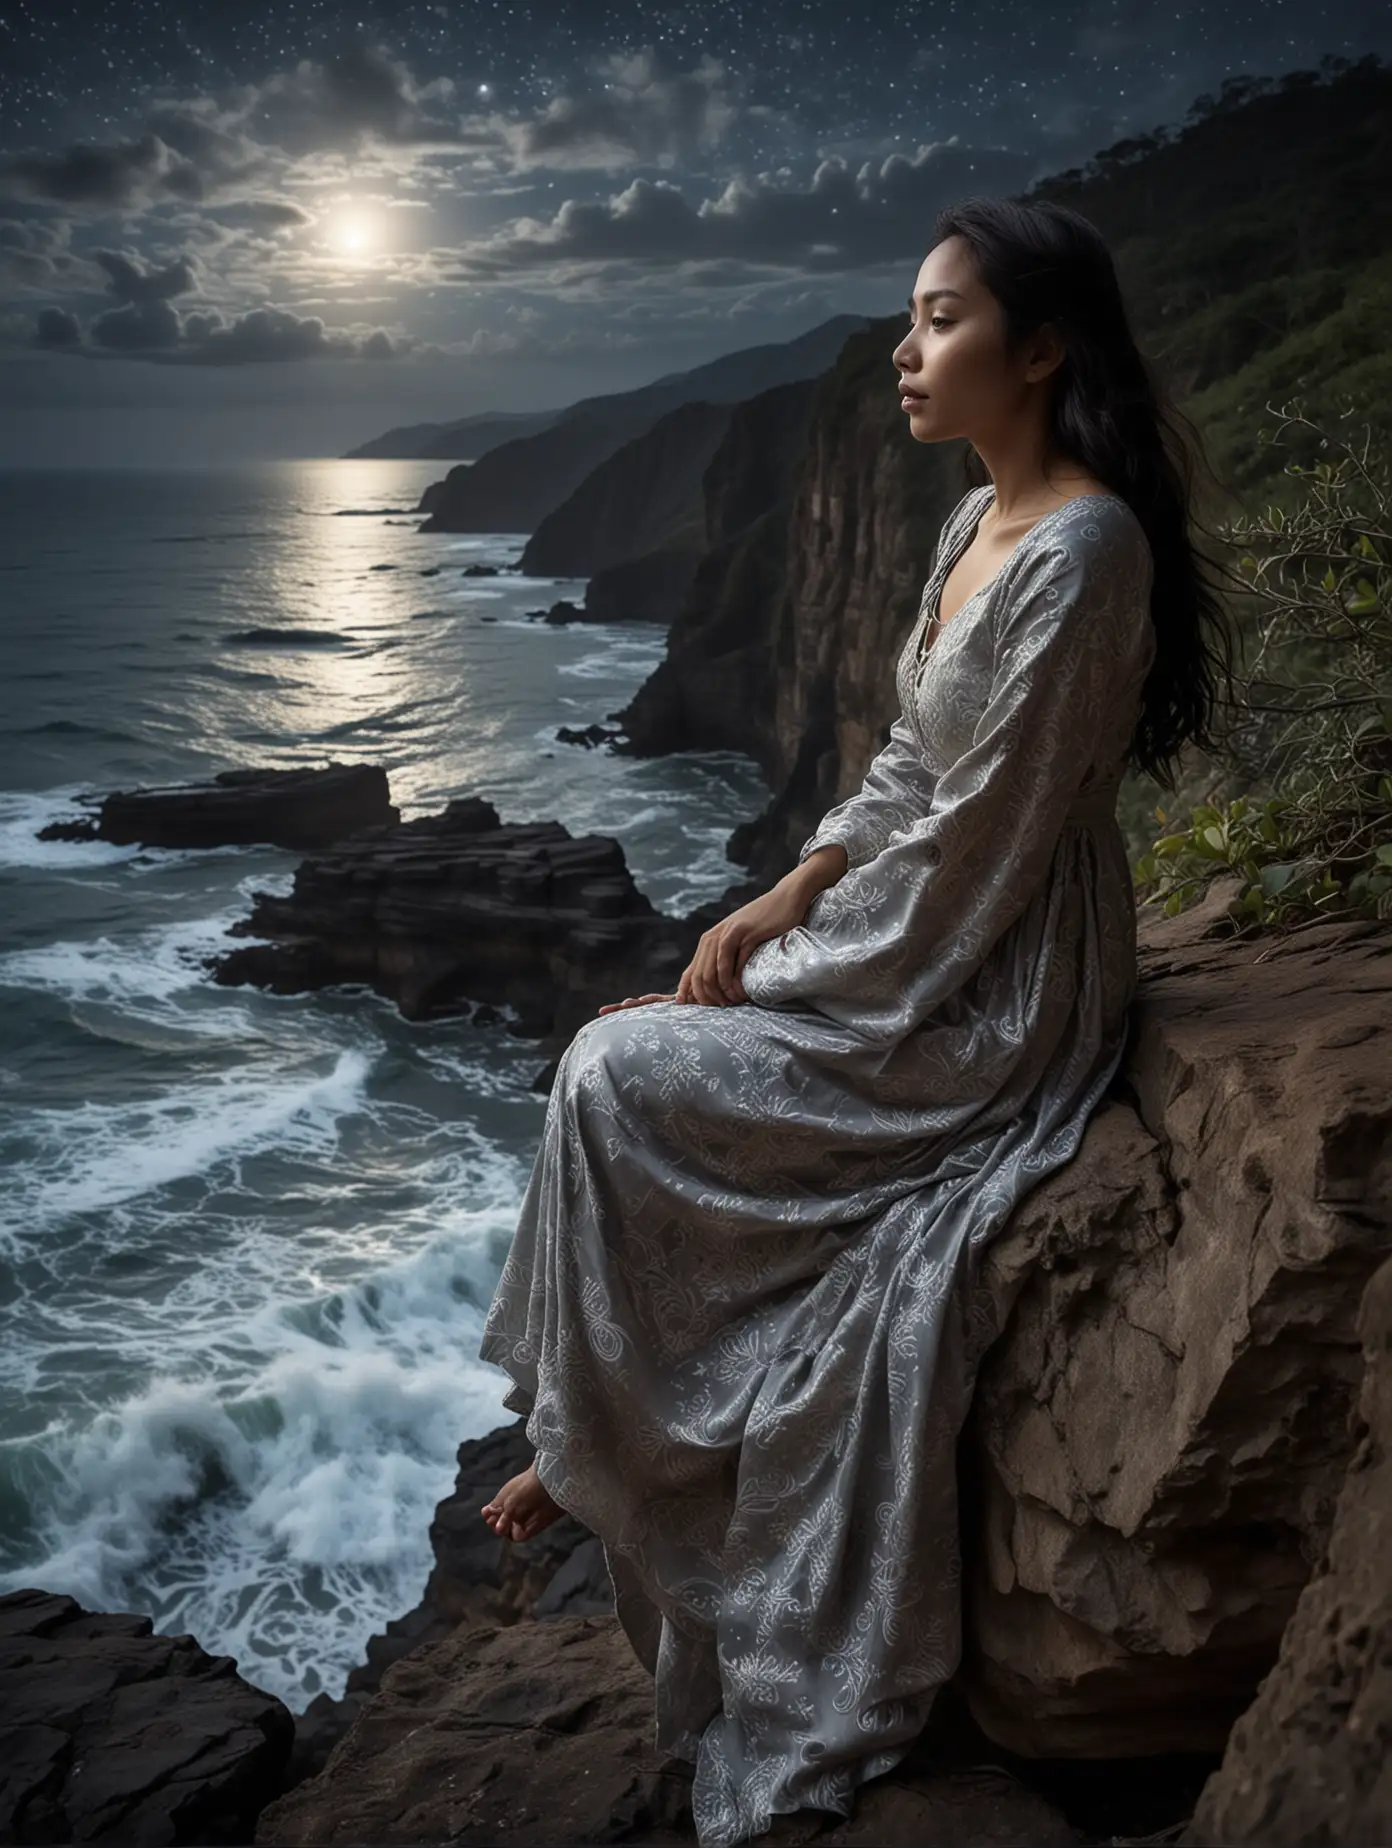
968, 533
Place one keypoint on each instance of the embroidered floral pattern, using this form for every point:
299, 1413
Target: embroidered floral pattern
739, 1309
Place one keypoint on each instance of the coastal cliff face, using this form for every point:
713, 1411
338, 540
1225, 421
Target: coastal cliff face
513, 487
646, 495
870, 506
822, 516
714, 688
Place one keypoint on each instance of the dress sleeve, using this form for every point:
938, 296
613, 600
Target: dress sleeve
895, 936
898, 785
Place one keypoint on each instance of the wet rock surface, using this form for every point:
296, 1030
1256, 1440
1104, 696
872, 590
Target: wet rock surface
112, 1733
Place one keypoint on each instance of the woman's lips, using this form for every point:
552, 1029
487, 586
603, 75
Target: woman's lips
908, 399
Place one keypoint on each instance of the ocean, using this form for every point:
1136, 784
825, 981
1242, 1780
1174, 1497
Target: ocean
247, 1241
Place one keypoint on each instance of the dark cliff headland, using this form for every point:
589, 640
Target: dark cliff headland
1175, 1480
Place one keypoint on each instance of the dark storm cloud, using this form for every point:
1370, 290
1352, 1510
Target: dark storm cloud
845, 219
112, 176
57, 329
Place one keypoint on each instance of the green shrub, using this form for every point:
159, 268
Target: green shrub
1311, 741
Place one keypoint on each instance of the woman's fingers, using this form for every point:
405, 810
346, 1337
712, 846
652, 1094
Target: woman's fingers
725, 968
610, 1007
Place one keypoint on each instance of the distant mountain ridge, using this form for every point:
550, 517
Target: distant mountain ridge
463, 440
514, 486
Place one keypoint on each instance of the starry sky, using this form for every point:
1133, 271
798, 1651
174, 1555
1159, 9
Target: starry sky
243, 230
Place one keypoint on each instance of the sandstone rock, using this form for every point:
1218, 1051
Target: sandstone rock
1311, 1759
1160, 1433
285, 808
111, 1733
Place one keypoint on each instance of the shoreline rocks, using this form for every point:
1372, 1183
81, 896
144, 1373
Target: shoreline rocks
113, 1733
457, 912
241, 808
1162, 1428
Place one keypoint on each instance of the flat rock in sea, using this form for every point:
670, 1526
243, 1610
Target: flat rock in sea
115, 1734
448, 911
239, 808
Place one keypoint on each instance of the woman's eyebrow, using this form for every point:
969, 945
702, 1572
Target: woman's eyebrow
928, 295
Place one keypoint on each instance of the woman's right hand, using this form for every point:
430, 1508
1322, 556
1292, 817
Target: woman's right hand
712, 977
713, 974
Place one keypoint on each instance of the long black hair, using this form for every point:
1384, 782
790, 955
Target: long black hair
1108, 413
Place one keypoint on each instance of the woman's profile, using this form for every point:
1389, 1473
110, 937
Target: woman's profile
738, 1309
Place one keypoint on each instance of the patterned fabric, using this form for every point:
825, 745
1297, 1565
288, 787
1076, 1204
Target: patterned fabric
740, 1308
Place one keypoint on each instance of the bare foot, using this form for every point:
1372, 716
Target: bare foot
521, 1508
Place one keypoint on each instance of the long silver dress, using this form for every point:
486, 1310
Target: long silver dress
739, 1306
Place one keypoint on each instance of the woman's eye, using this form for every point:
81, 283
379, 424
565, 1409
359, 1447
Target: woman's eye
940, 320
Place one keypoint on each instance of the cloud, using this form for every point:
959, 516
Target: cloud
361, 91
57, 329
129, 283
35, 251
147, 325
629, 112
112, 176
844, 219
262, 215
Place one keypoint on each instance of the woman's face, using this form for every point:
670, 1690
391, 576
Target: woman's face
953, 353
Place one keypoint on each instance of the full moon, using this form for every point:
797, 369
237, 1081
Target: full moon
352, 232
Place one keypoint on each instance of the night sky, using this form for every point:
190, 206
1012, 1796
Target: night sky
243, 230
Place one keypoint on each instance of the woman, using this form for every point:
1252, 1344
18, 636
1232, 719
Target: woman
738, 1310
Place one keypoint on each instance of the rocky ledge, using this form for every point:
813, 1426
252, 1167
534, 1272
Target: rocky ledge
1176, 1501
1176, 1493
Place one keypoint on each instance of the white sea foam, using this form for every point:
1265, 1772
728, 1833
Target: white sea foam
23, 813
96, 1155
285, 1518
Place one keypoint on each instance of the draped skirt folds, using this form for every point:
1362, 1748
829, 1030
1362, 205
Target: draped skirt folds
739, 1313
